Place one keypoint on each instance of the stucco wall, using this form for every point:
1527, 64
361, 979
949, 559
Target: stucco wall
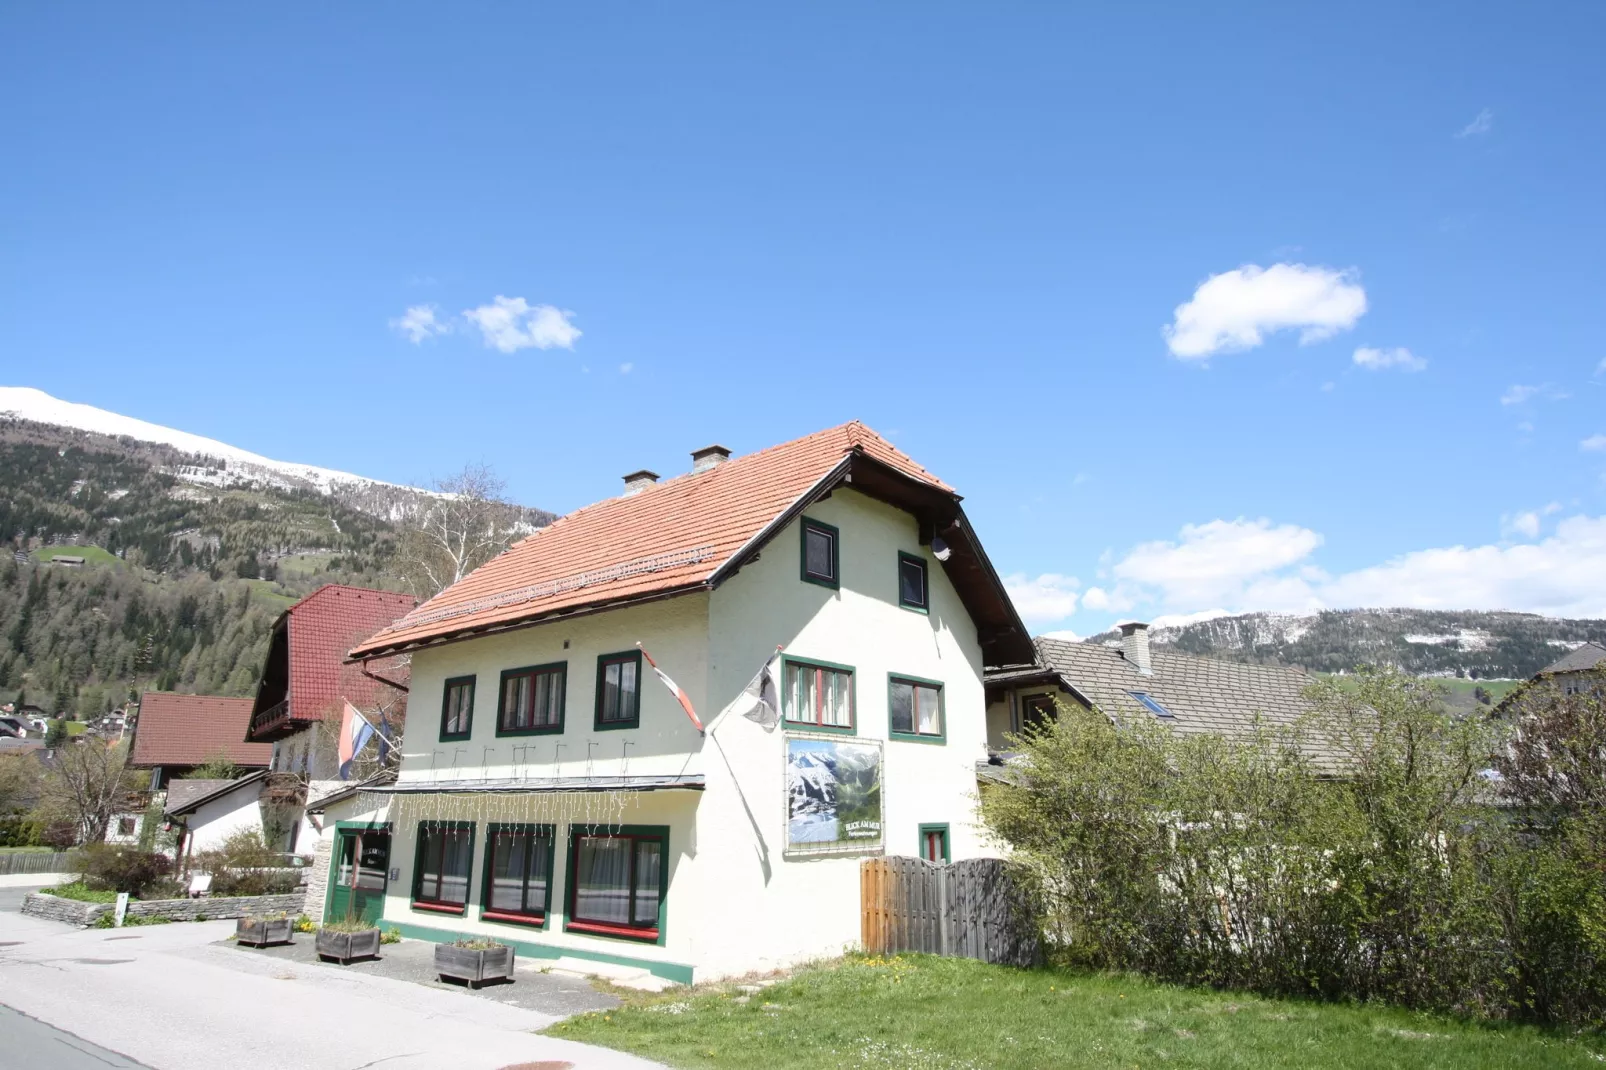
214, 822
749, 881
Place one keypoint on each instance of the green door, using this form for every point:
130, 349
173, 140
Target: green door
362, 864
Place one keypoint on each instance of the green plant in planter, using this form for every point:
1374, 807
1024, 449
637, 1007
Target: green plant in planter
348, 926
477, 943
391, 935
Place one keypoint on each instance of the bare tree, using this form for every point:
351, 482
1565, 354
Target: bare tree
87, 782
447, 535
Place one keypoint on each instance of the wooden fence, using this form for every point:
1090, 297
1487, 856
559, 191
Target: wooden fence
34, 862
969, 909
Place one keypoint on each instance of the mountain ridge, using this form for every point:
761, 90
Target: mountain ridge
1481, 644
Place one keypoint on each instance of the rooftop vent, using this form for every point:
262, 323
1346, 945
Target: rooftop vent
1135, 647
708, 457
636, 482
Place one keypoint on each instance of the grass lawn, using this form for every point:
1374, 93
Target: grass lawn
929, 1013
92, 555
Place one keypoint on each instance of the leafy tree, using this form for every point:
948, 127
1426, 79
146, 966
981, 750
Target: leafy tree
56, 735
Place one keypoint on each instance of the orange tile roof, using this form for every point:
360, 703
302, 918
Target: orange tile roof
672, 535
186, 730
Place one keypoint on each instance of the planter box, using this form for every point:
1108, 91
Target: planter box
475, 967
343, 947
261, 933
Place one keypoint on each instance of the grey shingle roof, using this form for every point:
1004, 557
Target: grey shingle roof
1581, 659
1204, 695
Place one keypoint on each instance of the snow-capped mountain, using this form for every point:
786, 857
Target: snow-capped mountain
232, 464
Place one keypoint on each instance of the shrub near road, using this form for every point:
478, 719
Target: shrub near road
926, 1013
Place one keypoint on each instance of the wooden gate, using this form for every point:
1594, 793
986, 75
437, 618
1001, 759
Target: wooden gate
969, 909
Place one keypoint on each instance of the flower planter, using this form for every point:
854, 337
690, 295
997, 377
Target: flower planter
475, 967
344, 947
260, 932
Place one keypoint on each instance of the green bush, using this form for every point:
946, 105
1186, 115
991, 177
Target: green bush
19, 831
244, 865
1367, 854
120, 868
82, 892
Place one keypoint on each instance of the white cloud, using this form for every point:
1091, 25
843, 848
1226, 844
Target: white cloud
1064, 636
1210, 563
1048, 597
1524, 524
1481, 124
1380, 359
1519, 394
1096, 598
1180, 620
420, 322
1594, 444
512, 323
626, 368
1236, 309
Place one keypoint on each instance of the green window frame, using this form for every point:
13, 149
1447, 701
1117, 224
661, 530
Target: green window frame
457, 708
441, 844
912, 693
908, 564
619, 876
618, 708
820, 530
530, 701
804, 695
934, 840
524, 854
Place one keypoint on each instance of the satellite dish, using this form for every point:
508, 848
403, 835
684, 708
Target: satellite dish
941, 550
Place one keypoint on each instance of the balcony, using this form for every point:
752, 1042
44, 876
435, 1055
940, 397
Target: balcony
272, 723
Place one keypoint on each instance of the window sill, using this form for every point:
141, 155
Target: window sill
543, 730
916, 737
598, 928
438, 908
924, 611
809, 726
535, 921
464, 738
612, 726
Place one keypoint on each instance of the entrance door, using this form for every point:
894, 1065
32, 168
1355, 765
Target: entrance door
362, 864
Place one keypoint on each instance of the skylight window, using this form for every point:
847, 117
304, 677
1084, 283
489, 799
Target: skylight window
1152, 704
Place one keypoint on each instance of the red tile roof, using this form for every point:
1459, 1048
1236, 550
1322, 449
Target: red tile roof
323, 626
190, 729
672, 535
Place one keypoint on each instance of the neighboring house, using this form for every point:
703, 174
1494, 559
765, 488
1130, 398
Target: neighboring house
16, 727
175, 734
1186, 693
1567, 672
555, 796
210, 811
306, 682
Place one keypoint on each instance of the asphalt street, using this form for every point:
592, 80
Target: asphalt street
172, 997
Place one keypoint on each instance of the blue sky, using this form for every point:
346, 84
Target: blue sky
1136, 281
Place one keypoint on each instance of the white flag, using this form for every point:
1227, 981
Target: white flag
760, 700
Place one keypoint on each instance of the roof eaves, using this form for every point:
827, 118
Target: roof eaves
729, 567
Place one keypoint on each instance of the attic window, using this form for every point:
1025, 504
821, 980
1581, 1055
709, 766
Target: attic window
820, 553
1152, 704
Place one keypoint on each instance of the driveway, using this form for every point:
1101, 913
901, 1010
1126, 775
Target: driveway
172, 997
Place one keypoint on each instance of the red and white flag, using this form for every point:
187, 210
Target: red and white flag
674, 689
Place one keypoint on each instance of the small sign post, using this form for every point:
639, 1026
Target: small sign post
121, 909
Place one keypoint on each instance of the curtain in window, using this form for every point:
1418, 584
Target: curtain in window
619, 690
649, 857
821, 696
927, 704
602, 889
508, 862
454, 866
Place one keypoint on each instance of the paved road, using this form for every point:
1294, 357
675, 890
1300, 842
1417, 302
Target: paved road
32, 1045
168, 997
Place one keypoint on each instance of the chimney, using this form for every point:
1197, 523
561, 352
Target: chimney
708, 457
1135, 647
636, 482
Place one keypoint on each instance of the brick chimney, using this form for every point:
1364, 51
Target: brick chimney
636, 482
1135, 647
708, 457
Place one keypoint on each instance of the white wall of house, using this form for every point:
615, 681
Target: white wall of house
737, 901
214, 822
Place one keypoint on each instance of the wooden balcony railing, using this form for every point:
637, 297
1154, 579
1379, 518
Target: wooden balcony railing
270, 721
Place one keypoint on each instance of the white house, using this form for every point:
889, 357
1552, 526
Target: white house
565, 803
211, 811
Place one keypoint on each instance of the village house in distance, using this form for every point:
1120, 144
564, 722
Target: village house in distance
553, 794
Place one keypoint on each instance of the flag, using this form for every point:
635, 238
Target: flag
384, 732
760, 699
674, 689
354, 734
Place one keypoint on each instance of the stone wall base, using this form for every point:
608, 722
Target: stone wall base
74, 912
